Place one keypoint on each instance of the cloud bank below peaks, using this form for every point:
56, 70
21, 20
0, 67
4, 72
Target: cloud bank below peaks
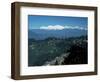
59, 27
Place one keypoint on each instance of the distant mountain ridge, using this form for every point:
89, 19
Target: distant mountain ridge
41, 34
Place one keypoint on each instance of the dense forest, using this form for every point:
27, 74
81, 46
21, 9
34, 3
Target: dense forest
55, 51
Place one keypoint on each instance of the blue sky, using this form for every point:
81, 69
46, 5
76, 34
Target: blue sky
50, 22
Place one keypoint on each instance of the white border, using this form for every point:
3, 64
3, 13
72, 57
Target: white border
25, 70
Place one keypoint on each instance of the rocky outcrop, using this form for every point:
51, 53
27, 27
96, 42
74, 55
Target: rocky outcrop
58, 60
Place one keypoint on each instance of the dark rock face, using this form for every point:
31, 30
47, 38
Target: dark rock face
78, 55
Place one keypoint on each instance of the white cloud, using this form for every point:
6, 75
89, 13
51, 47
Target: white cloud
75, 27
59, 27
55, 27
